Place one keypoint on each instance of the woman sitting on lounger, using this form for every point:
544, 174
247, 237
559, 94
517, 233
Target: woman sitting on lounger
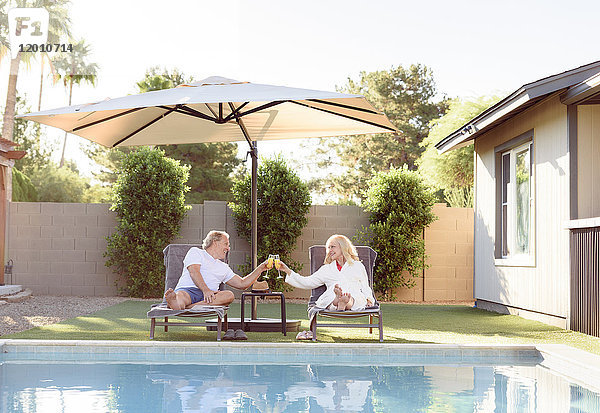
342, 273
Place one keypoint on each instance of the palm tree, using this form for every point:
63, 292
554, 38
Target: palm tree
74, 70
58, 26
45, 57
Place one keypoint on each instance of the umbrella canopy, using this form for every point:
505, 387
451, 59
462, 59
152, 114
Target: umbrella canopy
211, 110
218, 109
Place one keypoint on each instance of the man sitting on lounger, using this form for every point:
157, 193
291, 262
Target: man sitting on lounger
203, 272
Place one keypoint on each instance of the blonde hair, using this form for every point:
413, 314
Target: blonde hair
213, 236
348, 249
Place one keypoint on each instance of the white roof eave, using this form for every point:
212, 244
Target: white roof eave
466, 133
571, 79
581, 91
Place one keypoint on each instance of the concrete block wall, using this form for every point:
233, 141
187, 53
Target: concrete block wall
57, 249
449, 249
324, 221
213, 215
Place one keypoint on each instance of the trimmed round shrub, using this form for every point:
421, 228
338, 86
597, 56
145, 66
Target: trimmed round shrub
283, 202
401, 207
149, 201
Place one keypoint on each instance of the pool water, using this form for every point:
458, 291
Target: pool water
41, 386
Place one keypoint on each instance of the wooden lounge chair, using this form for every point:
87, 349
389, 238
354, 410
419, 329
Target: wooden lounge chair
174, 255
368, 256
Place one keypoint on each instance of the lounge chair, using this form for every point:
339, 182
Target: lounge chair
174, 255
368, 256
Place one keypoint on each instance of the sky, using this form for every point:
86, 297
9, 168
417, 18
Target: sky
474, 47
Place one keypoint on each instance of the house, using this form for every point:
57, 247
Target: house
537, 200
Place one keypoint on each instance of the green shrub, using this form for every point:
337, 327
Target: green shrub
283, 202
149, 201
22, 188
401, 207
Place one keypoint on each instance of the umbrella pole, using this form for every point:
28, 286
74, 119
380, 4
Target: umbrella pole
254, 184
254, 218
254, 202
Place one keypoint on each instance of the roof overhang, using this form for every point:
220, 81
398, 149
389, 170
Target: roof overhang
518, 101
586, 92
15, 155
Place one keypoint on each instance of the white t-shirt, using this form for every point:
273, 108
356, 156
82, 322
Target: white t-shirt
213, 271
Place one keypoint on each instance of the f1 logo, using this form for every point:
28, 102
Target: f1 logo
27, 26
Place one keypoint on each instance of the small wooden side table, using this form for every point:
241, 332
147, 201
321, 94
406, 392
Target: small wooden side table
254, 316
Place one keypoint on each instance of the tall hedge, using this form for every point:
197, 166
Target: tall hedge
283, 202
149, 201
401, 207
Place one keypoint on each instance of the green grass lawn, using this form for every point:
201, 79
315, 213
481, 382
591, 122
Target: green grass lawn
403, 323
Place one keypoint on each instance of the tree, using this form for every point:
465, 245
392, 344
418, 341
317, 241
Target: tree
58, 25
211, 167
74, 70
149, 201
28, 135
157, 78
22, 188
50, 182
452, 172
64, 184
408, 98
44, 57
211, 164
283, 202
54, 184
109, 161
401, 207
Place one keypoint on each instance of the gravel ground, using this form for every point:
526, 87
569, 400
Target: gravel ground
43, 310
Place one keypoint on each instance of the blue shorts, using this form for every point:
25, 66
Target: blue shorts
195, 293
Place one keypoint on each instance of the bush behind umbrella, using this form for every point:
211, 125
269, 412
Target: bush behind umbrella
283, 202
149, 201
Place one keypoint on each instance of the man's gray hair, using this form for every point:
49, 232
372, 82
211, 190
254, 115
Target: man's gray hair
213, 236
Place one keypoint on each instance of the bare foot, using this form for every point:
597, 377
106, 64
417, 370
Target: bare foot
338, 291
171, 298
343, 301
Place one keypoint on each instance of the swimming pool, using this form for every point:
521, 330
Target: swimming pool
79, 376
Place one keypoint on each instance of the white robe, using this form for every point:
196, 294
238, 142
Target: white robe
351, 279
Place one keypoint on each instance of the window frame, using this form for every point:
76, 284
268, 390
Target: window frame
505, 203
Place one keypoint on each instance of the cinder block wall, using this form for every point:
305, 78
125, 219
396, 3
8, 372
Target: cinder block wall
57, 249
324, 221
449, 247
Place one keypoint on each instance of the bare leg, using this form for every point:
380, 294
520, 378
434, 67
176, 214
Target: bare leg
345, 302
177, 300
221, 298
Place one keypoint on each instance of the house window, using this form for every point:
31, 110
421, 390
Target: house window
514, 233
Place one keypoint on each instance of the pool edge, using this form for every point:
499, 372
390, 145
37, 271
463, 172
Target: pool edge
575, 364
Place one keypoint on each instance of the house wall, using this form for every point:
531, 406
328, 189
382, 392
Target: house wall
544, 286
588, 167
58, 248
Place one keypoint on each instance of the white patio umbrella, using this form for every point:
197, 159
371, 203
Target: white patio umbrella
218, 109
